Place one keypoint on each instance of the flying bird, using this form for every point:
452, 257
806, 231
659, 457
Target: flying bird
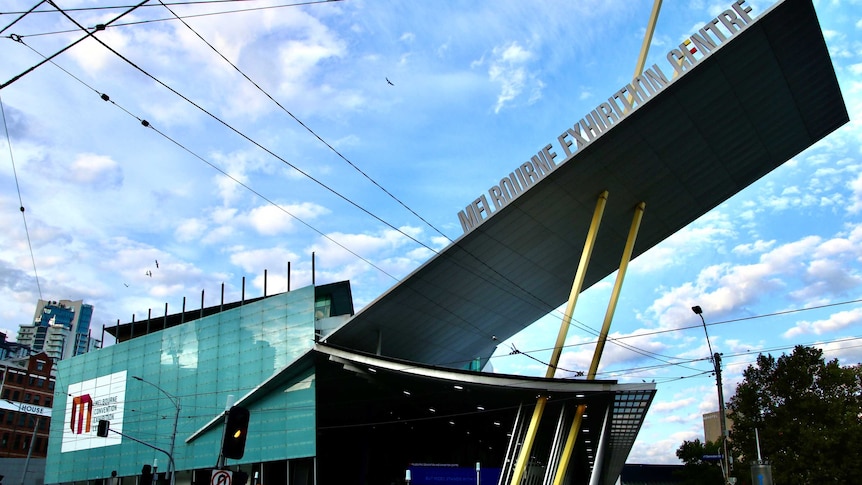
390, 82
126, 284
157, 264
149, 273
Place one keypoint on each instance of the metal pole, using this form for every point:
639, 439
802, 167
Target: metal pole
577, 285
716, 363
220, 463
173, 466
757, 440
653, 18
722, 416
176, 402
30, 451
628, 250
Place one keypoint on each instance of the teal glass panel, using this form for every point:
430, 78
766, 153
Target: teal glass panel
195, 366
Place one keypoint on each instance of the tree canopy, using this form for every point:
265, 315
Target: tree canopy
808, 413
697, 471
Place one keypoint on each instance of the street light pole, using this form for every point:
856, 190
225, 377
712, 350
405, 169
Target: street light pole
716, 361
176, 402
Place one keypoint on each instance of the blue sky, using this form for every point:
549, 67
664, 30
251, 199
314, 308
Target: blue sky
302, 119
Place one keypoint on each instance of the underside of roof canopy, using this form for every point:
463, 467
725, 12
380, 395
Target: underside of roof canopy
763, 97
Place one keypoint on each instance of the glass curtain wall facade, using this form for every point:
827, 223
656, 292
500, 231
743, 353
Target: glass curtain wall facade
196, 365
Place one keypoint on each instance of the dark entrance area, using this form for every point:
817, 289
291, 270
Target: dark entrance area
375, 423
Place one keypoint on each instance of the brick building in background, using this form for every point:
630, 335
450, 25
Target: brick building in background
27, 393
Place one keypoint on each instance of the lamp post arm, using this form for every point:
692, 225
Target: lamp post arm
124, 435
176, 402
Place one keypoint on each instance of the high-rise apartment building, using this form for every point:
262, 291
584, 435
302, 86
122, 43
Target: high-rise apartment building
61, 329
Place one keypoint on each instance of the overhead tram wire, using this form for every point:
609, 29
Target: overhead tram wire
735, 320
320, 183
582, 326
89, 34
759, 351
635, 370
306, 127
168, 19
190, 2
545, 305
146, 124
20, 198
355, 167
251, 140
23, 14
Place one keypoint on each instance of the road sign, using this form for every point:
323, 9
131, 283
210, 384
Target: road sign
221, 477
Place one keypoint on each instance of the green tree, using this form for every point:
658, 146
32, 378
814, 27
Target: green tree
697, 471
808, 413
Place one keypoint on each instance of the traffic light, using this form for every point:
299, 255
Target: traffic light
102, 430
235, 432
146, 475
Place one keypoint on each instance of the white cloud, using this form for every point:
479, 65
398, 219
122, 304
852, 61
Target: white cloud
722, 289
368, 245
847, 350
510, 68
96, 170
255, 261
709, 230
190, 230
856, 187
269, 220
756, 247
835, 322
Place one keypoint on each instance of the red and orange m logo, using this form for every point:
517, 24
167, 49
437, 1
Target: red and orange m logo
79, 404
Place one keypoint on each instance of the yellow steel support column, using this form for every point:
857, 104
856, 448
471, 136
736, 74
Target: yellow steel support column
618, 286
589, 244
653, 18
600, 344
578, 284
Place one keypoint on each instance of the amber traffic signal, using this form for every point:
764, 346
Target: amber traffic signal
235, 433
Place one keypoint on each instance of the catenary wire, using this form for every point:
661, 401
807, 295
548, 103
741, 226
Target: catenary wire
88, 35
546, 305
724, 322
249, 139
145, 123
167, 19
381, 187
21, 16
305, 126
320, 183
20, 198
329, 146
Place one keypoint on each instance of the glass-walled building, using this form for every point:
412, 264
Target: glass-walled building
319, 413
188, 372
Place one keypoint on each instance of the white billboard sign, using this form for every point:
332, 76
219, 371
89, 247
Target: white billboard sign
88, 402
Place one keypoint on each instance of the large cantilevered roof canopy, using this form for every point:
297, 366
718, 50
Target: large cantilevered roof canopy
764, 96
441, 415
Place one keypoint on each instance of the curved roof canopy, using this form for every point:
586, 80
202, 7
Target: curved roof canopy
763, 96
